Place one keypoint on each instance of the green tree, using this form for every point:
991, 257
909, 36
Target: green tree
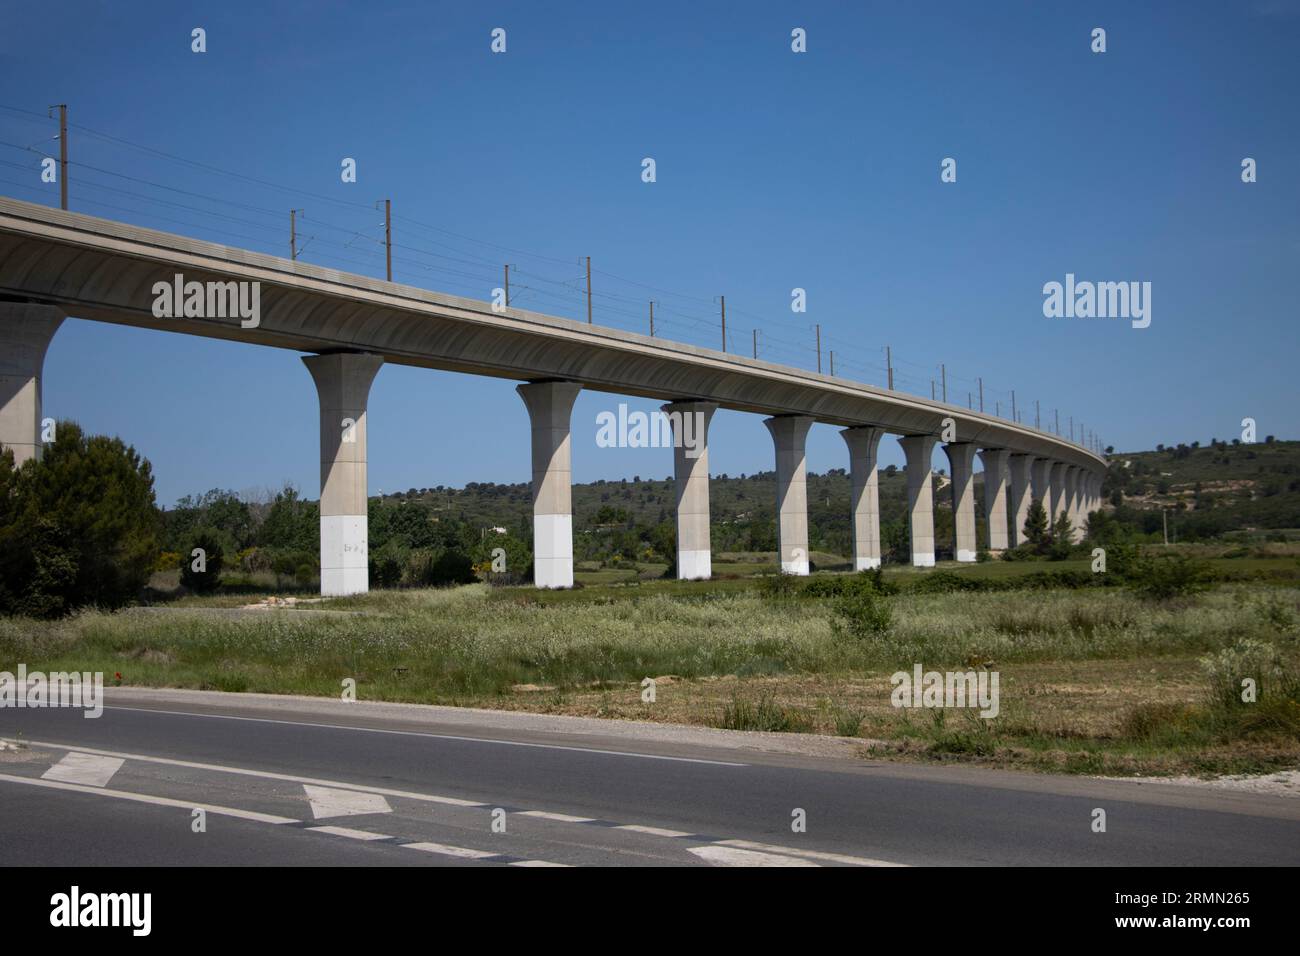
78, 526
1036, 529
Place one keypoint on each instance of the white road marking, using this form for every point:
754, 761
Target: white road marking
419, 733
807, 854
146, 798
90, 769
558, 817
731, 856
268, 775
535, 863
350, 834
444, 850
333, 802
654, 831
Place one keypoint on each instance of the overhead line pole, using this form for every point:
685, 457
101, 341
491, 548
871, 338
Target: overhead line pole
388, 237
943, 372
589, 290
507, 288
889, 367
293, 235
819, 349
652, 318
724, 323
981, 381
63, 156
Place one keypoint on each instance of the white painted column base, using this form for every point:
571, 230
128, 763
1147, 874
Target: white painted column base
795, 567
866, 564
922, 560
964, 555
553, 551
694, 565
344, 567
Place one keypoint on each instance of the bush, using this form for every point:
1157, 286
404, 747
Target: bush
779, 586
207, 577
766, 715
861, 613
78, 526
1166, 577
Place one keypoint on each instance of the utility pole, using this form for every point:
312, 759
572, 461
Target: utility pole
507, 289
756, 343
652, 318
981, 381
1071, 428
997, 409
943, 371
1056, 412
819, 348
1164, 522
889, 367
724, 323
1013, 406
293, 234
832, 363
970, 402
1038, 421
932, 390
589, 290
388, 237
63, 156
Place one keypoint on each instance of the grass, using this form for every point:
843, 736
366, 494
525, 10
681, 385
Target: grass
1092, 680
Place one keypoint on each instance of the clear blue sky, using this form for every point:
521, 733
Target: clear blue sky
775, 170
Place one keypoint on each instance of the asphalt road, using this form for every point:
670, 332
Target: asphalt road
327, 783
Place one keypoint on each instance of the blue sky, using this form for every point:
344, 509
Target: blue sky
775, 170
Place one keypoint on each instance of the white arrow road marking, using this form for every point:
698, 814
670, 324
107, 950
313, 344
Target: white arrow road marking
558, 817
350, 834
445, 850
146, 798
731, 856
329, 802
807, 854
88, 769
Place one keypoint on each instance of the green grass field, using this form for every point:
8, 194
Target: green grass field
1092, 680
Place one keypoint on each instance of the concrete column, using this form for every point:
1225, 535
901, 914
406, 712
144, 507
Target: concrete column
789, 433
995, 495
1057, 492
550, 407
1070, 504
690, 424
920, 497
863, 444
25, 334
1019, 466
961, 458
343, 382
1042, 484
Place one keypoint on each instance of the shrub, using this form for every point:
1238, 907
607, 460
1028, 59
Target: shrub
779, 586
78, 526
861, 613
1166, 577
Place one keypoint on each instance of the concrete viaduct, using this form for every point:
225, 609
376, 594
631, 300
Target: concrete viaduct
54, 264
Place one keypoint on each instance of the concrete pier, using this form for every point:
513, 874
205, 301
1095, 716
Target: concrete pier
920, 497
1042, 485
789, 435
995, 495
343, 382
863, 444
25, 335
1019, 468
550, 408
961, 459
690, 424
1057, 492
